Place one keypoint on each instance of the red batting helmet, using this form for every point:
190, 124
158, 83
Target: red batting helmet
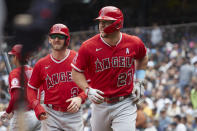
16, 50
111, 13
60, 29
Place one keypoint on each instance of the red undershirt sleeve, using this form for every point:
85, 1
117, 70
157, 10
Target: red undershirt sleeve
14, 97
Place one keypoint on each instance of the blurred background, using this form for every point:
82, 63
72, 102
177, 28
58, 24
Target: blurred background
168, 28
136, 12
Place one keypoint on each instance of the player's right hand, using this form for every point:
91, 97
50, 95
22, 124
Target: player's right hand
43, 116
94, 95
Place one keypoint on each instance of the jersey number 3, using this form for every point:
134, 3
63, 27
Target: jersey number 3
74, 92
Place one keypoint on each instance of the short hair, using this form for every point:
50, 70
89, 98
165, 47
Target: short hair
178, 117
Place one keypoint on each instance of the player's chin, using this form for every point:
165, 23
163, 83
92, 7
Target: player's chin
58, 48
103, 34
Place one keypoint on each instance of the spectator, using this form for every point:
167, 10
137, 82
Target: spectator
172, 126
146, 109
141, 119
150, 126
164, 120
180, 126
173, 110
156, 35
4, 98
139, 33
193, 96
185, 76
187, 121
195, 124
2, 127
194, 62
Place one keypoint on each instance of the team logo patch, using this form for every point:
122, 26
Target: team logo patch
15, 82
56, 29
98, 49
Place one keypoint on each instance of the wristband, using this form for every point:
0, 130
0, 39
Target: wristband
87, 90
140, 74
83, 96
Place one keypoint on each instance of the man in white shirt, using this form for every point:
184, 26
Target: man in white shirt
180, 126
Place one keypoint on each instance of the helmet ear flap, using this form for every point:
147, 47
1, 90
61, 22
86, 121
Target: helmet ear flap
117, 25
67, 40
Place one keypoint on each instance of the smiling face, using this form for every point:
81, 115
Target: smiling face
102, 25
57, 42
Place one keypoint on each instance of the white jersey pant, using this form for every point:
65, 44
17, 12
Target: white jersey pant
29, 122
114, 117
62, 121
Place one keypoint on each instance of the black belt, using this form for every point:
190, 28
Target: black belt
112, 100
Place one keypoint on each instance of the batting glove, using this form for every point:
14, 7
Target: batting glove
138, 91
94, 95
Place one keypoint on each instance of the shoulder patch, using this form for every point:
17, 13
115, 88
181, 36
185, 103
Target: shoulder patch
15, 82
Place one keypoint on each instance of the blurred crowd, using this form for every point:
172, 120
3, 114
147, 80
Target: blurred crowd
171, 77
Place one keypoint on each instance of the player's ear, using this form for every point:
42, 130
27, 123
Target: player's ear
49, 39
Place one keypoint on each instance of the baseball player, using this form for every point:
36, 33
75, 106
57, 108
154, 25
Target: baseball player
109, 59
61, 110
15, 87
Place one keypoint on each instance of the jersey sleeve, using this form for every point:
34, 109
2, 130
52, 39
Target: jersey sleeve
36, 80
14, 81
140, 49
14, 98
81, 59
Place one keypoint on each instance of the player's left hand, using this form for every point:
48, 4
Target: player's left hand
75, 104
138, 91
